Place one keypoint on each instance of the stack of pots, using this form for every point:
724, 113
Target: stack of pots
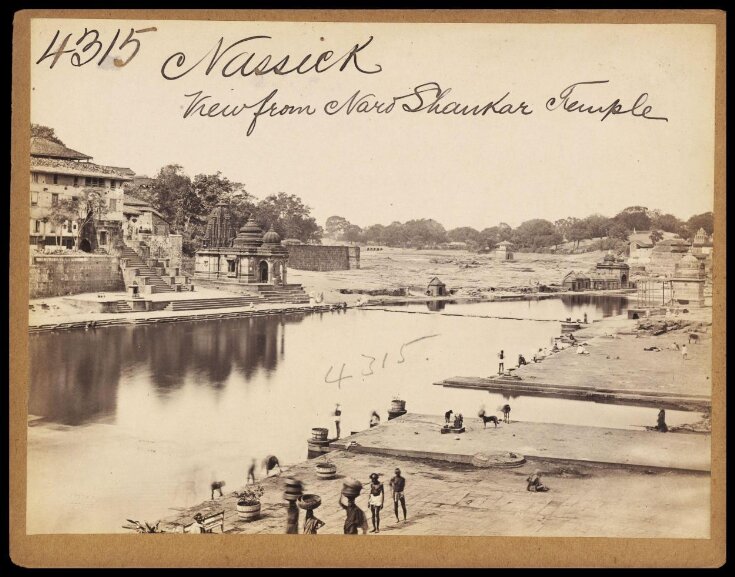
351, 488
319, 434
294, 490
326, 470
396, 406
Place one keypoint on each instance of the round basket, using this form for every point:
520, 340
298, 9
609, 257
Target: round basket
307, 502
319, 434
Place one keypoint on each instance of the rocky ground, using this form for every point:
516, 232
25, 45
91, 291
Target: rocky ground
469, 274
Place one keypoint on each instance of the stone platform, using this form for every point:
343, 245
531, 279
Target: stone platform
419, 437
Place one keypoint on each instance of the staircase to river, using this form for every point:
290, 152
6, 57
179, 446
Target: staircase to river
151, 275
289, 293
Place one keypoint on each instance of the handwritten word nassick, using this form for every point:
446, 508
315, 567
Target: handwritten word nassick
233, 60
565, 102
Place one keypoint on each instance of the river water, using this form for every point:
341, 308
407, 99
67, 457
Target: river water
128, 421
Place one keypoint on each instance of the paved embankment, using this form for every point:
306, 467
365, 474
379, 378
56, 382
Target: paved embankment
454, 498
618, 367
418, 436
144, 318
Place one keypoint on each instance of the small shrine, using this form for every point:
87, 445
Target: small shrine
436, 288
249, 257
687, 284
504, 250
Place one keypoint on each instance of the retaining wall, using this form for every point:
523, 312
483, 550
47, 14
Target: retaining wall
60, 274
323, 258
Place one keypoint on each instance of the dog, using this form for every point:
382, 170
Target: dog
491, 419
693, 337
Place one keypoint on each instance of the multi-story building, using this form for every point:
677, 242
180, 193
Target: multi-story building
57, 173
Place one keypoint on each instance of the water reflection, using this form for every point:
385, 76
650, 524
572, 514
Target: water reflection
73, 382
438, 305
608, 305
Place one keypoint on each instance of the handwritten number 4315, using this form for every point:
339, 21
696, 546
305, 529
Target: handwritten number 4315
88, 47
343, 377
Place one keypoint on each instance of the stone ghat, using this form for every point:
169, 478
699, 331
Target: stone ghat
682, 402
180, 318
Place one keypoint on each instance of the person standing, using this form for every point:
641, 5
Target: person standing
251, 472
355, 518
501, 362
661, 423
398, 485
292, 519
311, 523
448, 416
337, 419
684, 352
376, 500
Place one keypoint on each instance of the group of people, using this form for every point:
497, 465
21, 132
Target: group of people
458, 419
270, 463
355, 518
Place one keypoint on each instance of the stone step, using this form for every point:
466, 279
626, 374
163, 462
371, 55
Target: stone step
198, 304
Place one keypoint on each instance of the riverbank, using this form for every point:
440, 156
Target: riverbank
625, 364
452, 497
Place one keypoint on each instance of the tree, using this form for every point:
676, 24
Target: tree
490, 236
536, 233
375, 234
172, 195
424, 232
617, 230
596, 225
505, 232
465, 234
289, 217
705, 220
353, 233
336, 226
665, 222
45, 132
209, 189
65, 210
87, 208
655, 236
634, 217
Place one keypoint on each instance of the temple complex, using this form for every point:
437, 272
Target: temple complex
610, 274
251, 257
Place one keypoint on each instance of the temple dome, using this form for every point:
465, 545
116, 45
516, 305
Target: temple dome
271, 237
250, 235
688, 266
609, 257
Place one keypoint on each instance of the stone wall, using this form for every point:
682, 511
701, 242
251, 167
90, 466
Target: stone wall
663, 263
323, 258
57, 275
166, 246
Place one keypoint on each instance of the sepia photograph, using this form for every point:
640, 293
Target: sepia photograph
369, 278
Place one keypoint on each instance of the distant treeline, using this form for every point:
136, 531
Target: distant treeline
532, 235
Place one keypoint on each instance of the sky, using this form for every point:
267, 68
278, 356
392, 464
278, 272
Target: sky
378, 168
